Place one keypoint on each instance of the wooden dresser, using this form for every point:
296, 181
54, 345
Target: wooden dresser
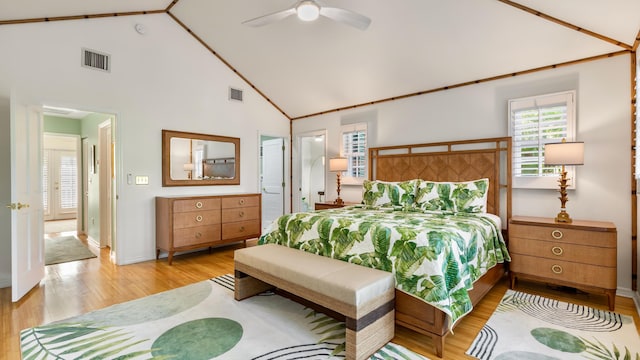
192, 222
582, 254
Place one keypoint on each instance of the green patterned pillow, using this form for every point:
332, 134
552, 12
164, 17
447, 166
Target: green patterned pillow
464, 196
389, 194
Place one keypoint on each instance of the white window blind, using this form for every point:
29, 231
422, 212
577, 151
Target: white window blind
534, 122
354, 148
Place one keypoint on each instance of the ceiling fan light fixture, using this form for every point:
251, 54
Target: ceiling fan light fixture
308, 10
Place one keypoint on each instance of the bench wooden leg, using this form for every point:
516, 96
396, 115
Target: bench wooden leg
246, 286
363, 343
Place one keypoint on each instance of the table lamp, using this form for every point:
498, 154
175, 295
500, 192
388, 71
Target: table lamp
338, 165
564, 153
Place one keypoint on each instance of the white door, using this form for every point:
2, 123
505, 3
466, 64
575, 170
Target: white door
60, 181
27, 222
272, 180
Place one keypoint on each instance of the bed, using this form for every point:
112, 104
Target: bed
434, 215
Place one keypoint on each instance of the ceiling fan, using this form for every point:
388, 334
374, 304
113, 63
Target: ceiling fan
310, 10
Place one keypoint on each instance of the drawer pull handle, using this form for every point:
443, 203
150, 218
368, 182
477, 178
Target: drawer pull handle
241, 228
199, 218
557, 269
198, 235
557, 250
199, 205
241, 214
241, 202
557, 234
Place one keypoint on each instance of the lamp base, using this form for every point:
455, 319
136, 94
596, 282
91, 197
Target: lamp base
563, 217
338, 201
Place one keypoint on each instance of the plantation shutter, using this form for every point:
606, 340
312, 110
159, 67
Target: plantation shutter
534, 122
354, 148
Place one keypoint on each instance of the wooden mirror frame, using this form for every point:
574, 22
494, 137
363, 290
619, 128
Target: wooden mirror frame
167, 135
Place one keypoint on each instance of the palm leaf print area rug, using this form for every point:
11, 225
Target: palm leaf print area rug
198, 321
528, 327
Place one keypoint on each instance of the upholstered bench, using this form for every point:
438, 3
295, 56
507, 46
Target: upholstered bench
363, 295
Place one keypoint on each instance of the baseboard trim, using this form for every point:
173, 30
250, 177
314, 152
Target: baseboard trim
93, 242
5, 280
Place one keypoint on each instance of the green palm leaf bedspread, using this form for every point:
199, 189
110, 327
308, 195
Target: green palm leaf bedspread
433, 256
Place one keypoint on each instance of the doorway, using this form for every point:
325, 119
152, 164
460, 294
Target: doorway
60, 169
312, 149
272, 183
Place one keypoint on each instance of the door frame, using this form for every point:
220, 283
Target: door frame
79, 166
297, 196
106, 180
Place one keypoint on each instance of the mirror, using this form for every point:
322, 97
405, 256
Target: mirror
199, 159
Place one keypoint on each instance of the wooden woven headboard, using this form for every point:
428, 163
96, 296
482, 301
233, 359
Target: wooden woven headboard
451, 161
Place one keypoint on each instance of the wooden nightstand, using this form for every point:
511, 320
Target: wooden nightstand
330, 205
582, 254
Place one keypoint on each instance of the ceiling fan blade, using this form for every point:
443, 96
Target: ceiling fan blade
346, 16
268, 19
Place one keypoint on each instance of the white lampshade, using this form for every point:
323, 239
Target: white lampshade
188, 167
338, 164
308, 11
564, 153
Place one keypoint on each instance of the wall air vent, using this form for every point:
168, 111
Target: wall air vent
95, 60
235, 94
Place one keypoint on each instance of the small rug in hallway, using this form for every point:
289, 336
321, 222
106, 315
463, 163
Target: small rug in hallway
528, 327
64, 249
198, 321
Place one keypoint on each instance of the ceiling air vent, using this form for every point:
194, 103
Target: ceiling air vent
235, 94
95, 60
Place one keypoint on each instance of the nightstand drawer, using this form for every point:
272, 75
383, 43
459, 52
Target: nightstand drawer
600, 256
563, 235
565, 271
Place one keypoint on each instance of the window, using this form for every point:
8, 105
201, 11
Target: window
354, 148
533, 122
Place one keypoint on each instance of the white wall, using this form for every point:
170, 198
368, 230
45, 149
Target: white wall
5, 195
480, 111
164, 79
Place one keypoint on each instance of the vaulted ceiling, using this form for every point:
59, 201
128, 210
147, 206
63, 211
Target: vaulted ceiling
411, 46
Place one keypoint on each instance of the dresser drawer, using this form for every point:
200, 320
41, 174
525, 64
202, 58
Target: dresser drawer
563, 235
580, 274
564, 252
196, 218
196, 235
240, 201
196, 204
240, 214
240, 229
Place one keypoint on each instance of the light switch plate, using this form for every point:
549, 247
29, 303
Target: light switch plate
142, 180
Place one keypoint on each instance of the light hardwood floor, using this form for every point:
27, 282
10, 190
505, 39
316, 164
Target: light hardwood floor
74, 288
